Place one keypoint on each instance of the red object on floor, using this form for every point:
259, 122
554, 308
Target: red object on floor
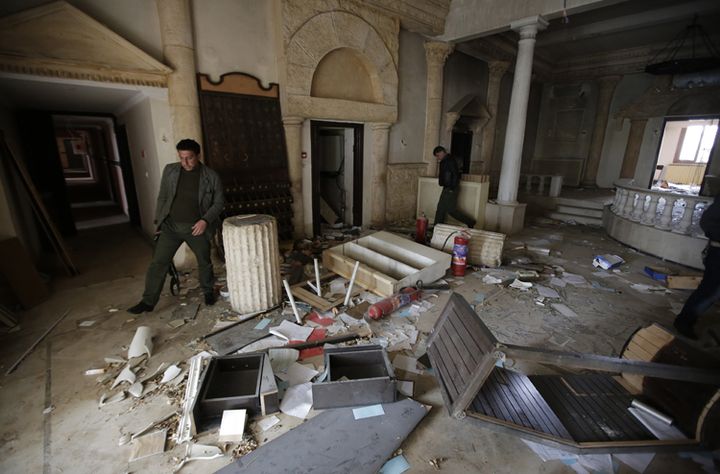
388, 305
421, 225
316, 335
316, 318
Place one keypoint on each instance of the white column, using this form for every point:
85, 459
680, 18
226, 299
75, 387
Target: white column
380, 141
515, 133
435, 55
293, 138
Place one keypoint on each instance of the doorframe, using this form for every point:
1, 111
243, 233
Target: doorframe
357, 169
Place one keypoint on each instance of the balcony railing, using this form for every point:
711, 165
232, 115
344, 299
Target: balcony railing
667, 211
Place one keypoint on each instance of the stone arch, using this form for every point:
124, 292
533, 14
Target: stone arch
346, 74
334, 30
699, 104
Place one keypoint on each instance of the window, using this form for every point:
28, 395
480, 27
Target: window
697, 143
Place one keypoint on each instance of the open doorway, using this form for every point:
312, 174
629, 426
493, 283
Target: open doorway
461, 145
337, 169
92, 168
683, 158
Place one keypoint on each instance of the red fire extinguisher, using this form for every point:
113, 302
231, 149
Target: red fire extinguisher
459, 257
421, 225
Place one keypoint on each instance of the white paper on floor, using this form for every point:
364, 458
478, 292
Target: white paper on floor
262, 344
491, 280
268, 422
291, 331
546, 292
564, 310
521, 285
297, 374
281, 359
232, 426
408, 364
297, 400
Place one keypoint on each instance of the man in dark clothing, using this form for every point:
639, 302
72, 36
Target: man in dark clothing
449, 179
188, 210
708, 292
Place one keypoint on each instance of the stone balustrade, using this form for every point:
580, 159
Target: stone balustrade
673, 212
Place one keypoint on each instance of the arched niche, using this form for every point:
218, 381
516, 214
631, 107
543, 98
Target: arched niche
346, 74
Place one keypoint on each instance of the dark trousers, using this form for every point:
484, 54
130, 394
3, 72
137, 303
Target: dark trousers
172, 235
707, 293
448, 205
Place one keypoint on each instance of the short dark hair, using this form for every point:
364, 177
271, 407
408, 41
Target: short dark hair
438, 149
188, 144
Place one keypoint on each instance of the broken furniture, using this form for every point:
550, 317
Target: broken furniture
356, 375
484, 248
235, 382
330, 442
578, 413
252, 260
303, 292
388, 262
472, 197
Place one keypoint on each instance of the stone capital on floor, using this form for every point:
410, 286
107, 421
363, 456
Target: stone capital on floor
507, 218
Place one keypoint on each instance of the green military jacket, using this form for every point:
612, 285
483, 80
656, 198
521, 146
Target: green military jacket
210, 196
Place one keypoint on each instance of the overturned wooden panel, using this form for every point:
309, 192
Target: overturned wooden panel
644, 345
484, 248
388, 262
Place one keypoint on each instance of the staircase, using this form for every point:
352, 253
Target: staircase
580, 211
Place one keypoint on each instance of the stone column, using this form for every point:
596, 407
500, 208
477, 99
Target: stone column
293, 140
380, 142
606, 88
496, 70
632, 149
435, 55
515, 134
179, 53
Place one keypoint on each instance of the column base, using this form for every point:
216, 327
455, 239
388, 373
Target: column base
508, 218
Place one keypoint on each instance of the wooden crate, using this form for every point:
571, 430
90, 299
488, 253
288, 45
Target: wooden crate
388, 262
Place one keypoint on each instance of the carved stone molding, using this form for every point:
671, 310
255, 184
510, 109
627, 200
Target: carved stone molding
436, 52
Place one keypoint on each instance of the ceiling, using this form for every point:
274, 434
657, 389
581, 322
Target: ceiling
629, 25
64, 96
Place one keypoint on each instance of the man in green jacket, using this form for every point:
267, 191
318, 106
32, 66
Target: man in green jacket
188, 210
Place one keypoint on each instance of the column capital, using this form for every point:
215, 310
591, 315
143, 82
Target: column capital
380, 126
436, 52
291, 120
496, 69
529, 27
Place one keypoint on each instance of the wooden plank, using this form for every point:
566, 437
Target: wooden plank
302, 292
572, 415
683, 282
550, 420
438, 362
367, 278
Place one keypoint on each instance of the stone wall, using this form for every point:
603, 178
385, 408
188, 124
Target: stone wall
402, 185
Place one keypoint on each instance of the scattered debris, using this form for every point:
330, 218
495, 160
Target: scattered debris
683, 282
564, 310
245, 447
297, 400
232, 426
148, 445
268, 422
436, 462
607, 261
170, 373
141, 343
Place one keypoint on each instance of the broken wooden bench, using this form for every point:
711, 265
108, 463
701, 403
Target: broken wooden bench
582, 413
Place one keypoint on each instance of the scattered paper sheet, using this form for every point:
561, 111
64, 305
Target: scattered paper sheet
564, 310
264, 343
408, 364
368, 412
232, 426
546, 292
406, 387
268, 422
396, 465
297, 400
297, 374
291, 331
521, 285
262, 324
281, 359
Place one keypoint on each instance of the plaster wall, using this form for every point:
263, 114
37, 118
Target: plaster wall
618, 129
135, 20
471, 19
406, 135
235, 35
151, 147
648, 151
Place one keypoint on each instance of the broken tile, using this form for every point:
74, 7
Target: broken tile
136, 389
141, 343
126, 375
170, 373
148, 445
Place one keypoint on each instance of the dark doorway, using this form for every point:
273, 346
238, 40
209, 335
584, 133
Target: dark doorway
127, 174
337, 172
461, 147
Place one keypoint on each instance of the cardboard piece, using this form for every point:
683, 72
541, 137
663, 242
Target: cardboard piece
683, 282
232, 426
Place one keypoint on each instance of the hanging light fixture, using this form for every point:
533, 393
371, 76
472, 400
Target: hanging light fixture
666, 61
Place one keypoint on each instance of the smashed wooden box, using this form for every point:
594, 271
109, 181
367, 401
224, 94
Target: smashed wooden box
484, 248
583, 413
236, 382
388, 262
356, 375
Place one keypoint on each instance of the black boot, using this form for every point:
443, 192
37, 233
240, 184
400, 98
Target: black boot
685, 329
210, 299
140, 308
